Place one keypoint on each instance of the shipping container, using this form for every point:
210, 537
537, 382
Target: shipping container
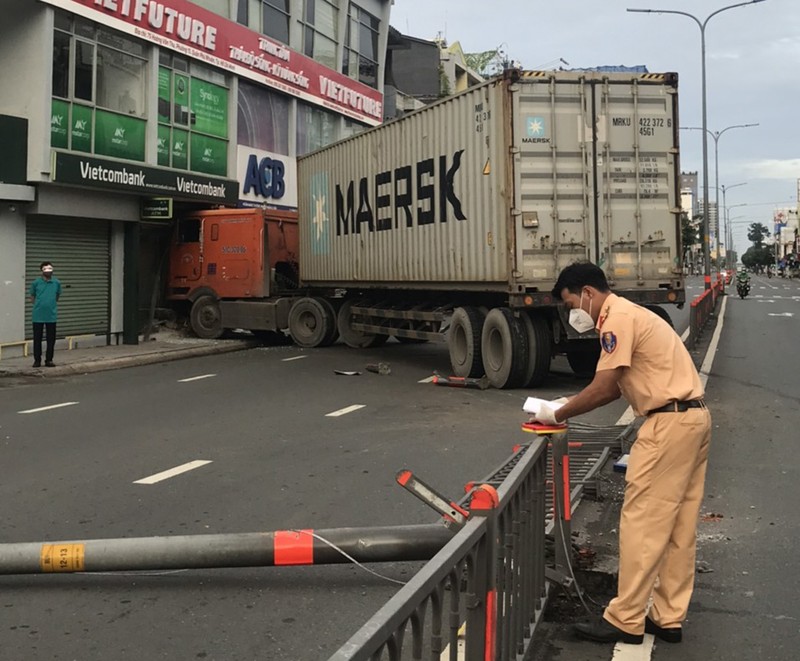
500, 187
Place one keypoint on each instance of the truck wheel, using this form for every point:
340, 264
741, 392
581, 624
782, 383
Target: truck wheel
355, 338
504, 345
584, 362
206, 318
464, 341
539, 349
309, 322
661, 312
333, 334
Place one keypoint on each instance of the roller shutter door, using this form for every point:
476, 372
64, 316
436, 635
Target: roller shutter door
79, 250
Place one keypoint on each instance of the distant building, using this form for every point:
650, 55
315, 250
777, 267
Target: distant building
689, 182
421, 71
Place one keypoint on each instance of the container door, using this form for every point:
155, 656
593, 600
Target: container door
554, 185
637, 161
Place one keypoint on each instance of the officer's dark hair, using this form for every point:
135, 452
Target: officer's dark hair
43, 264
579, 275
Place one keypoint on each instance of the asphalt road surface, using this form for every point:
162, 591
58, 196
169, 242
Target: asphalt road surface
278, 460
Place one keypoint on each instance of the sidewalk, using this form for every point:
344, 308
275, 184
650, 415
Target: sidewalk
163, 346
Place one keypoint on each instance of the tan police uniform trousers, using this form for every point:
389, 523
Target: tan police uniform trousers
658, 525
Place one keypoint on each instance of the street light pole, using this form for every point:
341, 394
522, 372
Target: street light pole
717, 135
725, 213
702, 26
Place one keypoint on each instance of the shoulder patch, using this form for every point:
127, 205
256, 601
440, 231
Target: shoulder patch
609, 342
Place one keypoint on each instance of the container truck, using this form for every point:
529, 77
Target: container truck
453, 223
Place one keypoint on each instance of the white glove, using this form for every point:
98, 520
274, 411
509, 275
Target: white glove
546, 415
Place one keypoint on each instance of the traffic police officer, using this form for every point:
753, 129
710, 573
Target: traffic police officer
643, 360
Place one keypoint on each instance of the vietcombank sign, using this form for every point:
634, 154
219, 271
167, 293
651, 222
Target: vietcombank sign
99, 173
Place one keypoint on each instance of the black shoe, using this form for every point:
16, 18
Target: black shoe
602, 631
37, 363
670, 635
49, 363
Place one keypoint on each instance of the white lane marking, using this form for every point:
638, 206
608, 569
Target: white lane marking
781, 314
643, 652
49, 408
344, 411
196, 378
172, 472
428, 380
708, 361
628, 416
286, 360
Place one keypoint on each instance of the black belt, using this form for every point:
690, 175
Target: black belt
679, 407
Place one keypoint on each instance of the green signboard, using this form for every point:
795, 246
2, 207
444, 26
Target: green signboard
119, 135
180, 149
162, 146
180, 99
59, 124
209, 108
209, 155
93, 172
164, 102
81, 128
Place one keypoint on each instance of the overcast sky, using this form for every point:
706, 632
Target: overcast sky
753, 72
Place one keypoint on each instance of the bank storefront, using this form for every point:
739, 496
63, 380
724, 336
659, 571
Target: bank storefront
155, 113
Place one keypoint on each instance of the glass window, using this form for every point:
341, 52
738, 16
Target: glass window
263, 118
360, 58
315, 128
120, 81
220, 7
275, 19
189, 230
84, 71
320, 34
63, 21
242, 12
61, 42
120, 42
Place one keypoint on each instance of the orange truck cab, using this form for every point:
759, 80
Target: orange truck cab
237, 267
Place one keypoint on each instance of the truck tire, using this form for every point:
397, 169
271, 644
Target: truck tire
333, 334
205, 318
537, 329
310, 322
464, 341
661, 312
355, 338
504, 346
584, 361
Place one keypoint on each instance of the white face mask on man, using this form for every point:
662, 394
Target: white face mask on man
581, 320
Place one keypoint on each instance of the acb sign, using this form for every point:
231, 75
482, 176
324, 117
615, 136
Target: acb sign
266, 178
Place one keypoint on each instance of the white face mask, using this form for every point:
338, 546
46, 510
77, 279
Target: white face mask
581, 320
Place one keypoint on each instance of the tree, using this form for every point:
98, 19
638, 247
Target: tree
689, 231
757, 256
757, 233
484, 63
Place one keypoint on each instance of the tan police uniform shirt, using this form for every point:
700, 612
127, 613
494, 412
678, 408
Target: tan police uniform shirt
658, 368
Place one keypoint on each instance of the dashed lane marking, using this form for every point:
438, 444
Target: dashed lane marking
172, 472
286, 360
49, 408
344, 411
196, 378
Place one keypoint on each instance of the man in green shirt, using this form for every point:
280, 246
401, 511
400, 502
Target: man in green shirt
44, 293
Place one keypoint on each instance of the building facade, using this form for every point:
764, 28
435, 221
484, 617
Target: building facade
121, 114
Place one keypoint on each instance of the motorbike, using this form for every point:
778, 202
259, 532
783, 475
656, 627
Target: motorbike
742, 288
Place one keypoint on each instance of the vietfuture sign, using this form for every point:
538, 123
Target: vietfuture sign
203, 35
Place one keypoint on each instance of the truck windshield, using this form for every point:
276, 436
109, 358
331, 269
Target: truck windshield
189, 230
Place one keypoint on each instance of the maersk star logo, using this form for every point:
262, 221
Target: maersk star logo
535, 127
320, 219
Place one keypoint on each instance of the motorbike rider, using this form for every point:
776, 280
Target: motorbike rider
743, 280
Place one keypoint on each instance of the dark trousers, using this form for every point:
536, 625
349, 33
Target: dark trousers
39, 329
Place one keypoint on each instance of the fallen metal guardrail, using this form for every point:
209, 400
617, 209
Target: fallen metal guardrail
485, 590
702, 308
